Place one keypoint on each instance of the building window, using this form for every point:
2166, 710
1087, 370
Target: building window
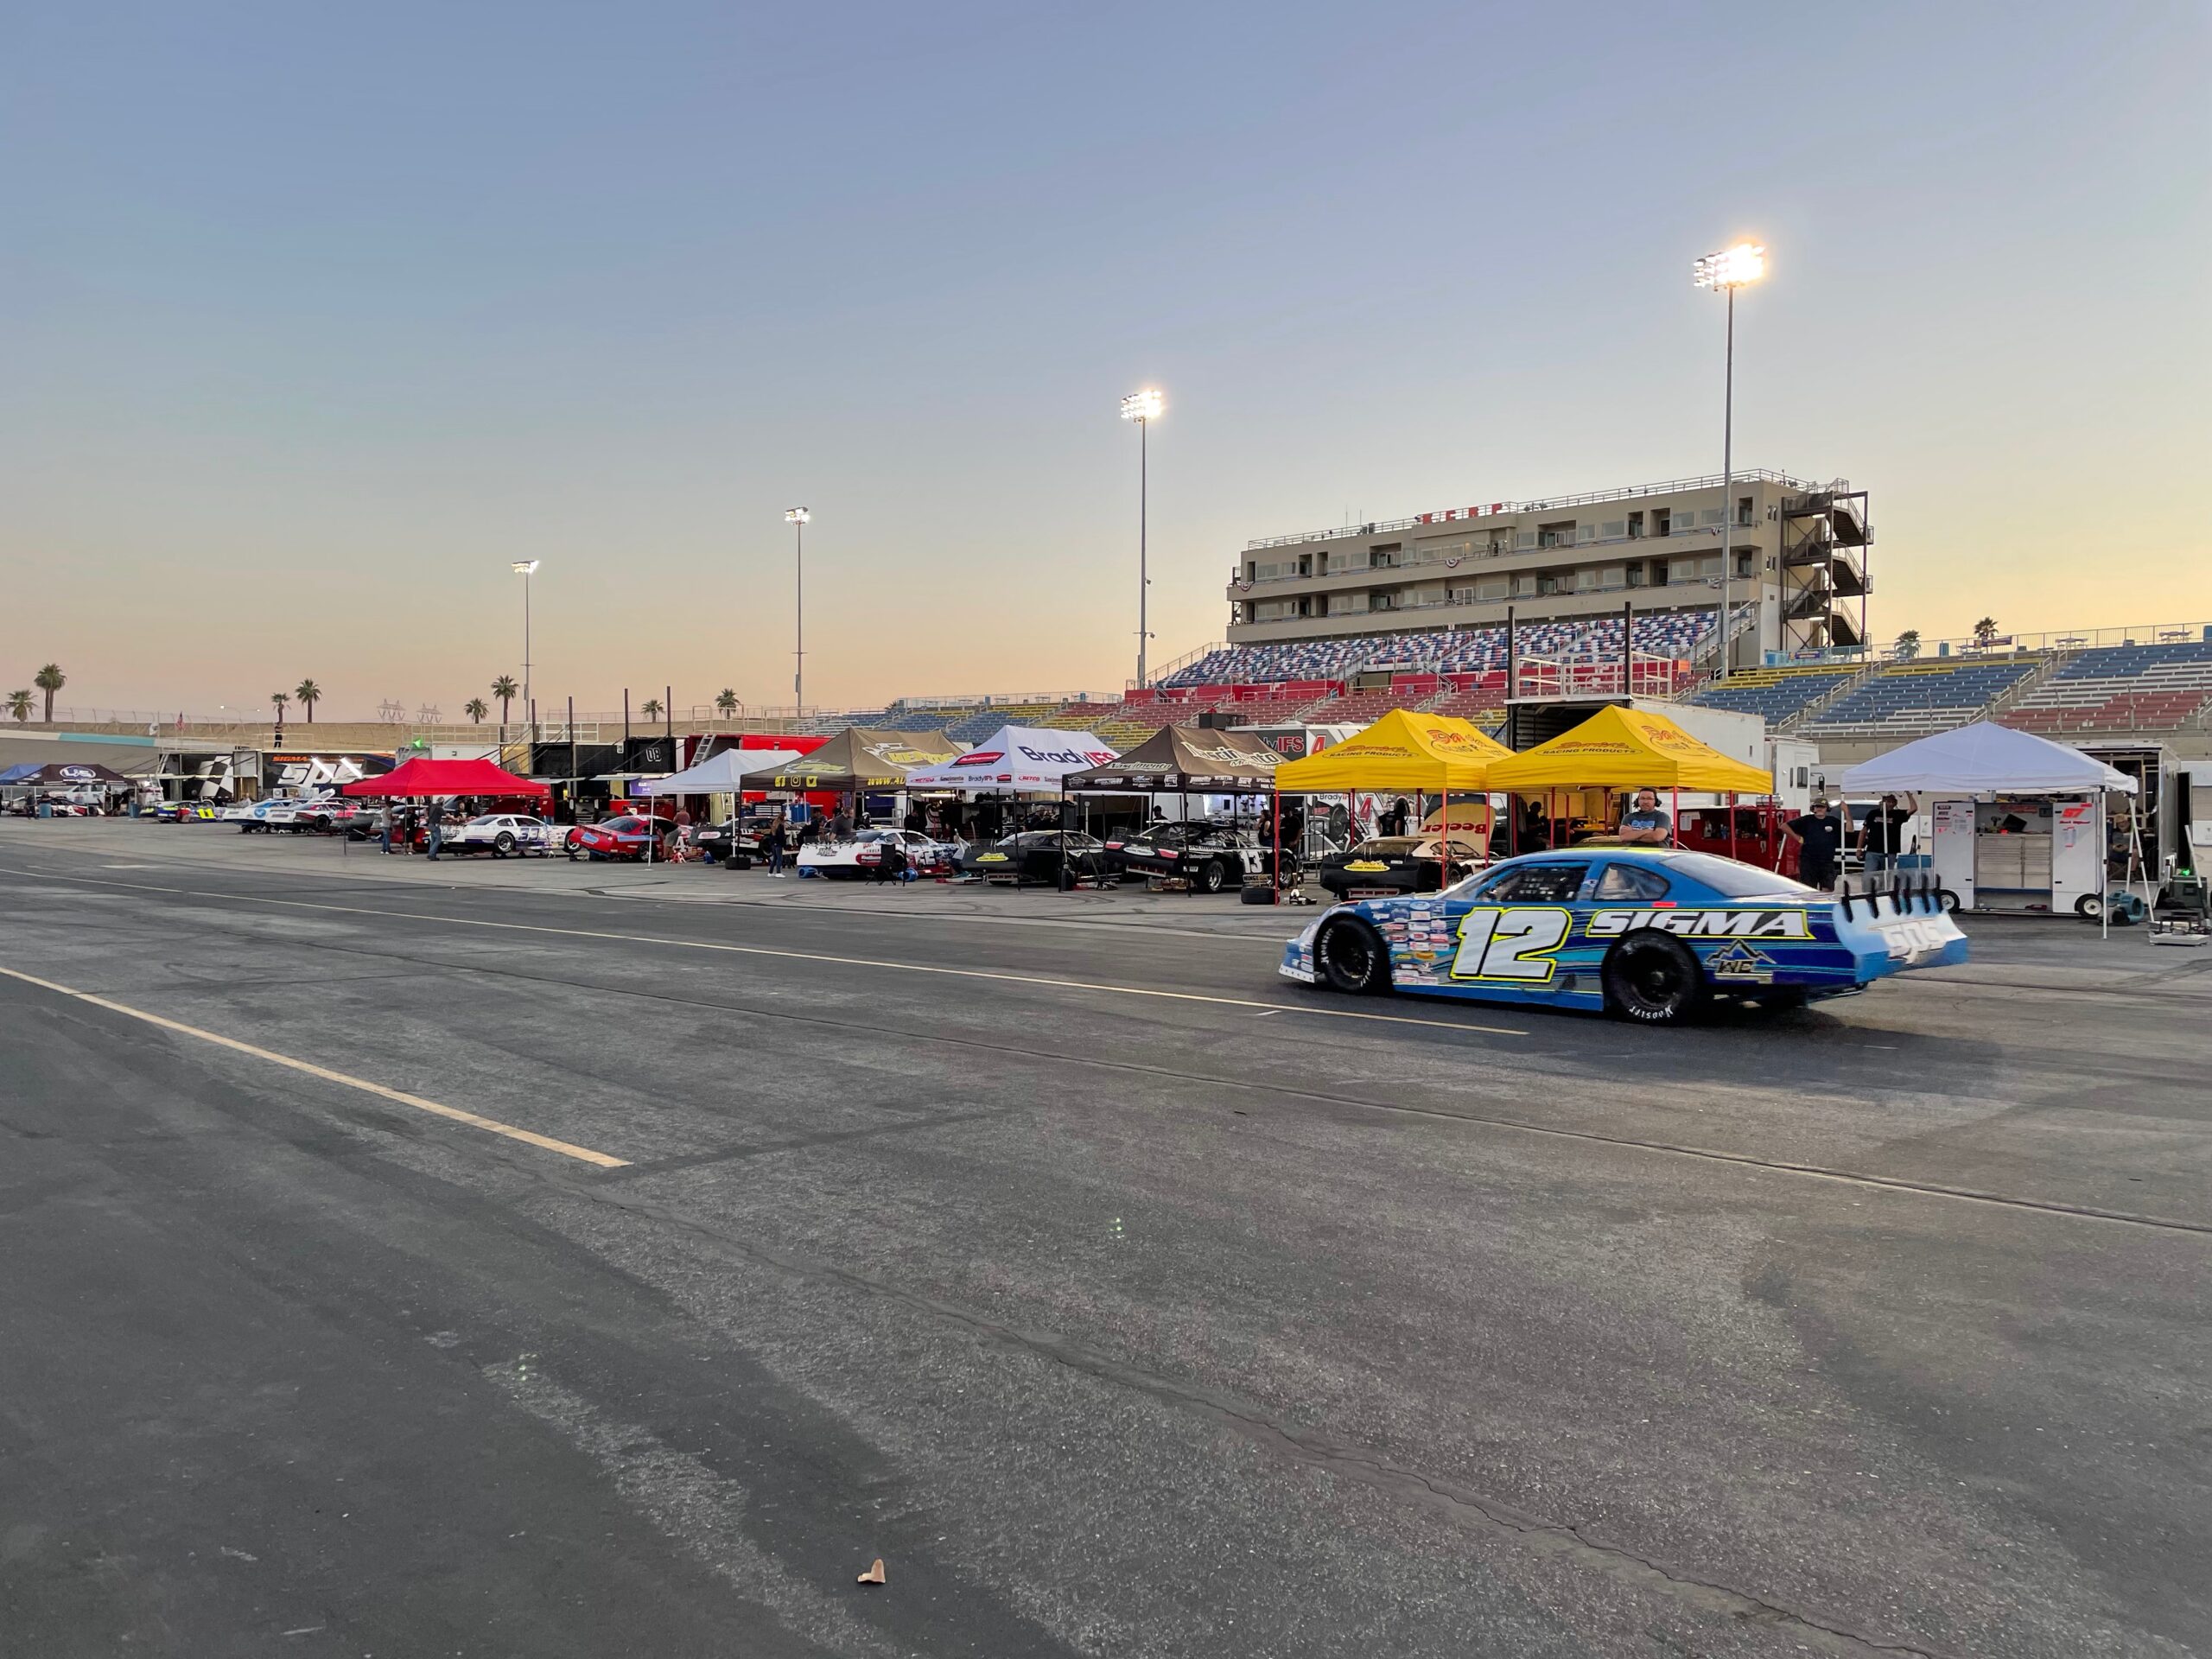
1743, 510
1662, 521
1636, 525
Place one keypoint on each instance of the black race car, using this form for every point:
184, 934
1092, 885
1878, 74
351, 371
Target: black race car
749, 836
1050, 856
1387, 866
1210, 856
1151, 834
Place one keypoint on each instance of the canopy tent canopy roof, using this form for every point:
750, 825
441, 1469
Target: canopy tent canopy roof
1015, 758
1629, 748
718, 774
1187, 757
428, 777
1983, 758
860, 757
1402, 751
63, 774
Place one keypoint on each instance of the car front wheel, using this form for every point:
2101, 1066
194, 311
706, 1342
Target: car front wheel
1352, 958
1213, 878
1654, 979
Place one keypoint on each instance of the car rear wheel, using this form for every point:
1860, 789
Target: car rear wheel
1352, 958
1212, 878
503, 843
1653, 979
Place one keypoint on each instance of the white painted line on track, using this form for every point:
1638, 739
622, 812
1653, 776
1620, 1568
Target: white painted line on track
530, 1137
1045, 981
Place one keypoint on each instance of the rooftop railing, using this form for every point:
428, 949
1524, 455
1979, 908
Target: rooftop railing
1544, 504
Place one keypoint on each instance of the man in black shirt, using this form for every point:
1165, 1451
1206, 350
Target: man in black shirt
1817, 835
1882, 836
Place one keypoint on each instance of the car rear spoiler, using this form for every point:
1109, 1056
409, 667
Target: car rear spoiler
1909, 891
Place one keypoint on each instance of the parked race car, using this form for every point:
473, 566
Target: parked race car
621, 837
504, 833
1651, 934
863, 854
1050, 856
1210, 856
1385, 866
735, 844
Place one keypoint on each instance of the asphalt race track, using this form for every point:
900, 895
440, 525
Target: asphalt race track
1123, 1297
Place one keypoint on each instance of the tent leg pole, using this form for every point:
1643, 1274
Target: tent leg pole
1275, 876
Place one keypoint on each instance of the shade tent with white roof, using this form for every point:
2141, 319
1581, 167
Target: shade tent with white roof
1015, 760
1983, 758
718, 774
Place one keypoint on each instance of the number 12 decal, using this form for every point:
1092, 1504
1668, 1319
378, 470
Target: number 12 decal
1510, 945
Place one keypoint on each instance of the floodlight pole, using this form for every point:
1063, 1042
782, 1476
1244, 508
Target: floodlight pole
797, 517
1727, 483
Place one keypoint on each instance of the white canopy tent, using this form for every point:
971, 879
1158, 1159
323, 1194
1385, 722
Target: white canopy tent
718, 774
1014, 761
1983, 758
1984, 761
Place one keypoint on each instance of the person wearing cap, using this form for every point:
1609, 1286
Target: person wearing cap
1882, 837
1818, 834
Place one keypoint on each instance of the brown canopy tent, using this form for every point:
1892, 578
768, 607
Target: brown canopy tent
858, 758
1186, 758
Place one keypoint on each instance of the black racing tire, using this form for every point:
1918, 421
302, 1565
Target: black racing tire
1351, 957
503, 843
1212, 879
1654, 979
321, 826
1262, 894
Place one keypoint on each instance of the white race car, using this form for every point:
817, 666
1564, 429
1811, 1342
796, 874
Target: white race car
251, 816
502, 833
863, 854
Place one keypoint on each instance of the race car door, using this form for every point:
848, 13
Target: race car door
1506, 934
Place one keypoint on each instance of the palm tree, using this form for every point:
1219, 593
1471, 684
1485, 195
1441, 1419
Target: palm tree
50, 679
280, 698
475, 709
1908, 644
309, 694
1984, 631
651, 710
725, 699
19, 705
506, 691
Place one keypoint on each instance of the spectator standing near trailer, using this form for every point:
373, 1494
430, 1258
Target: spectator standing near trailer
1818, 834
1882, 838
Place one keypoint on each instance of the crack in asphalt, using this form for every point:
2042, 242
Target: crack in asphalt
1462, 1504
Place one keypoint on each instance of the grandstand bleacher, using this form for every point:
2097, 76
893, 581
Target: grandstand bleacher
1777, 694
2121, 689
1912, 699
1658, 633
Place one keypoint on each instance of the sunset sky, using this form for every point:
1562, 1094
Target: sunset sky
317, 317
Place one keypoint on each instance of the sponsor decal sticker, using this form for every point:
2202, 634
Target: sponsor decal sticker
1703, 923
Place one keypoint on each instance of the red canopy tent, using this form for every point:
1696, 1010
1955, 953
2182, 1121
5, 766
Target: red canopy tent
423, 776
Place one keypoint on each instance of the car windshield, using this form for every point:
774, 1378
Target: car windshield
1733, 880
624, 826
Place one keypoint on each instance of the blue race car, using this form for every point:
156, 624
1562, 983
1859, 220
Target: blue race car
1647, 933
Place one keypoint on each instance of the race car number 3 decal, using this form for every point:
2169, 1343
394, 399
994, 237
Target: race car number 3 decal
1510, 945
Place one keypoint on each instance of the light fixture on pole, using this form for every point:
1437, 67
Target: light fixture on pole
1726, 271
797, 517
525, 568
1142, 407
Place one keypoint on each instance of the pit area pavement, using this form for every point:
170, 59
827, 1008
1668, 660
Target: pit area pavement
1123, 1297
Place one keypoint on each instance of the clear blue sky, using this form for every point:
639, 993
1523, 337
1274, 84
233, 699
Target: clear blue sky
317, 316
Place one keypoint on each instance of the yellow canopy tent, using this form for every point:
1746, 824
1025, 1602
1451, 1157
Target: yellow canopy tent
1402, 751
1627, 748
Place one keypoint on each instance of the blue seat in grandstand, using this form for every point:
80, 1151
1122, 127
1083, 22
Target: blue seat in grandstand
1923, 697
